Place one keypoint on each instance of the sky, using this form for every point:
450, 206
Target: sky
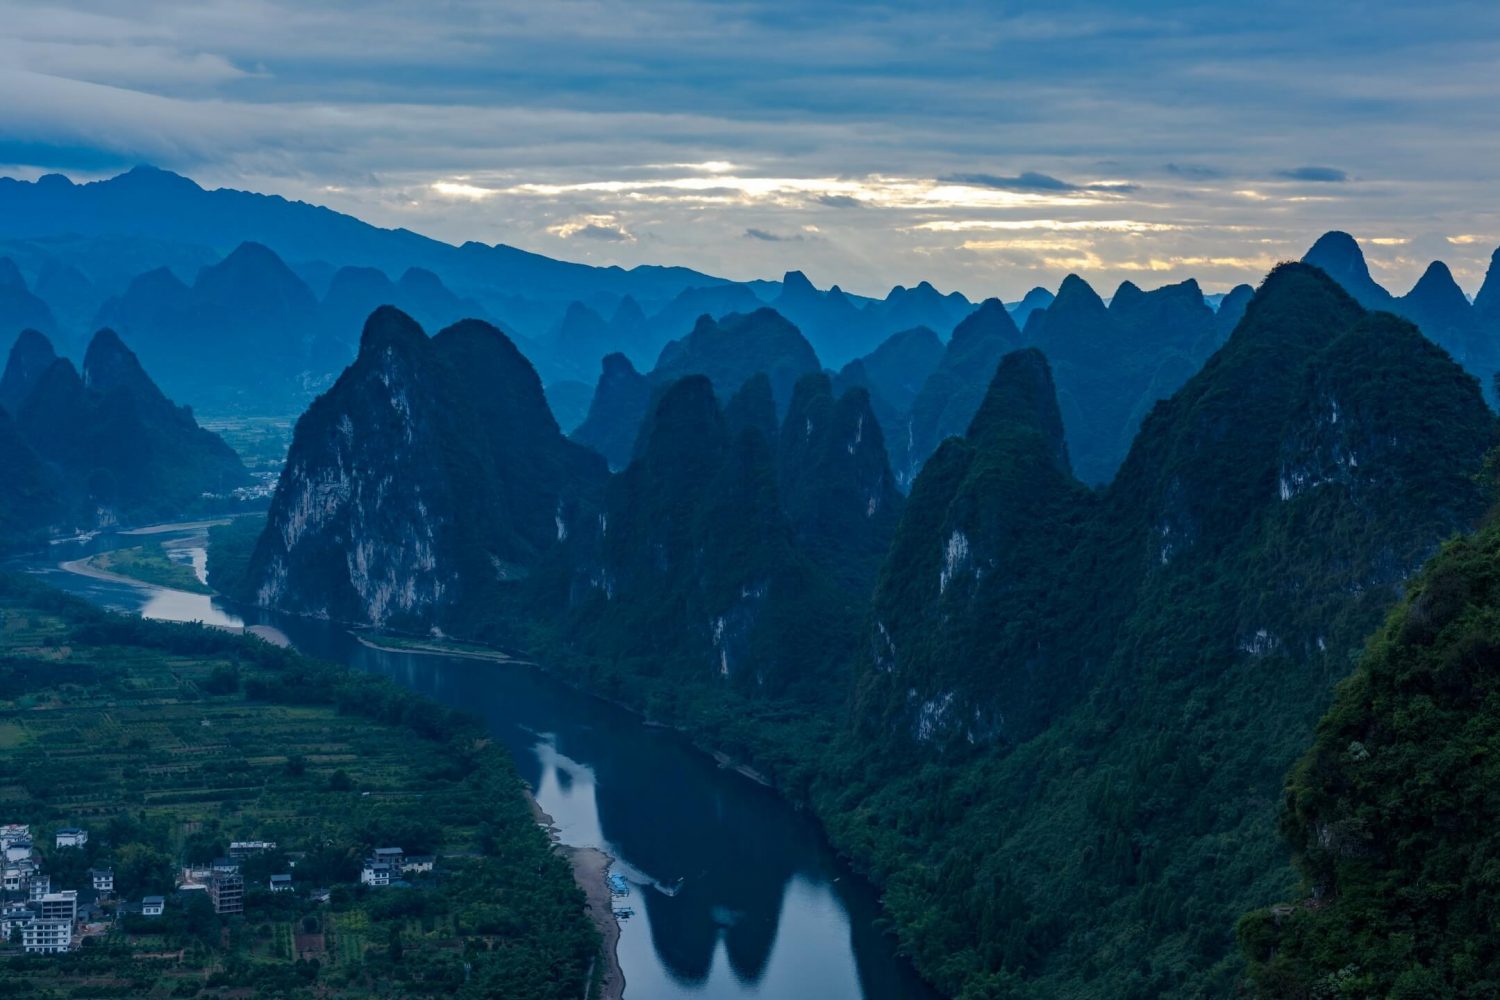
987, 146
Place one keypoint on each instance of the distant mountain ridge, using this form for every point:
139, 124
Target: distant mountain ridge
1469, 332
555, 308
729, 351
102, 446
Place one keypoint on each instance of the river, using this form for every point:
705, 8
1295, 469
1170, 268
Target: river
735, 894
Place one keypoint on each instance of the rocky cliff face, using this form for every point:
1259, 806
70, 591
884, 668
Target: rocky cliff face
427, 478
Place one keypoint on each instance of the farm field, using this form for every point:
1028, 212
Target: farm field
167, 742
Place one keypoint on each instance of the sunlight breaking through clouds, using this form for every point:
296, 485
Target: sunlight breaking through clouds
907, 137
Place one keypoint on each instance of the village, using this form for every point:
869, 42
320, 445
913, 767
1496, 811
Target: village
45, 912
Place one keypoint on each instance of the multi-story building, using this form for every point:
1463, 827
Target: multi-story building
152, 906
104, 880
38, 886
18, 849
227, 891
375, 873
59, 906
18, 876
46, 937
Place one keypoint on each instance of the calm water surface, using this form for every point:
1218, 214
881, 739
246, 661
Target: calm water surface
735, 894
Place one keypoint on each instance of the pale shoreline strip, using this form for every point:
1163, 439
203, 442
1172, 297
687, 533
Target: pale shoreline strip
590, 868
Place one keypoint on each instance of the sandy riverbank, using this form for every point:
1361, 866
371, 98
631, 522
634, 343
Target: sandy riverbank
590, 869
85, 567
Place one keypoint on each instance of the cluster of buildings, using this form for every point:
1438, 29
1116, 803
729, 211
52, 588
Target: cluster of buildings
390, 865
45, 921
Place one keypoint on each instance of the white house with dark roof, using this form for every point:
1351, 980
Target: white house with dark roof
375, 873
152, 906
103, 879
72, 836
13, 916
417, 863
280, 883
19, 875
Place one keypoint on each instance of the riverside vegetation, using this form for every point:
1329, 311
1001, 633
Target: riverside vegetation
168, 741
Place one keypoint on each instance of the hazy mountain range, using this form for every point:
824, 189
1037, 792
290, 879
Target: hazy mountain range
101, 445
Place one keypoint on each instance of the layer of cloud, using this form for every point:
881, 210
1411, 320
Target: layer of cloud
983, 148
1316, 175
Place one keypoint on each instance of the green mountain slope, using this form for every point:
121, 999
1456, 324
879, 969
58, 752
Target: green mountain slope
1391, 815
1202, 611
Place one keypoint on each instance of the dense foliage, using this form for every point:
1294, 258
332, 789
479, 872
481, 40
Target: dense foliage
1391, 816
1216, 592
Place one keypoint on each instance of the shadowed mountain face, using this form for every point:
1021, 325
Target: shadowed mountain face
1037, 298
1339, 256
244, 335
19, 308
29, 359
899, 367
1441, 311
1439, 308
729, 352
1220, 581
29, 501
1112, 364
951, 395
113, 447
724, 560
431, 474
